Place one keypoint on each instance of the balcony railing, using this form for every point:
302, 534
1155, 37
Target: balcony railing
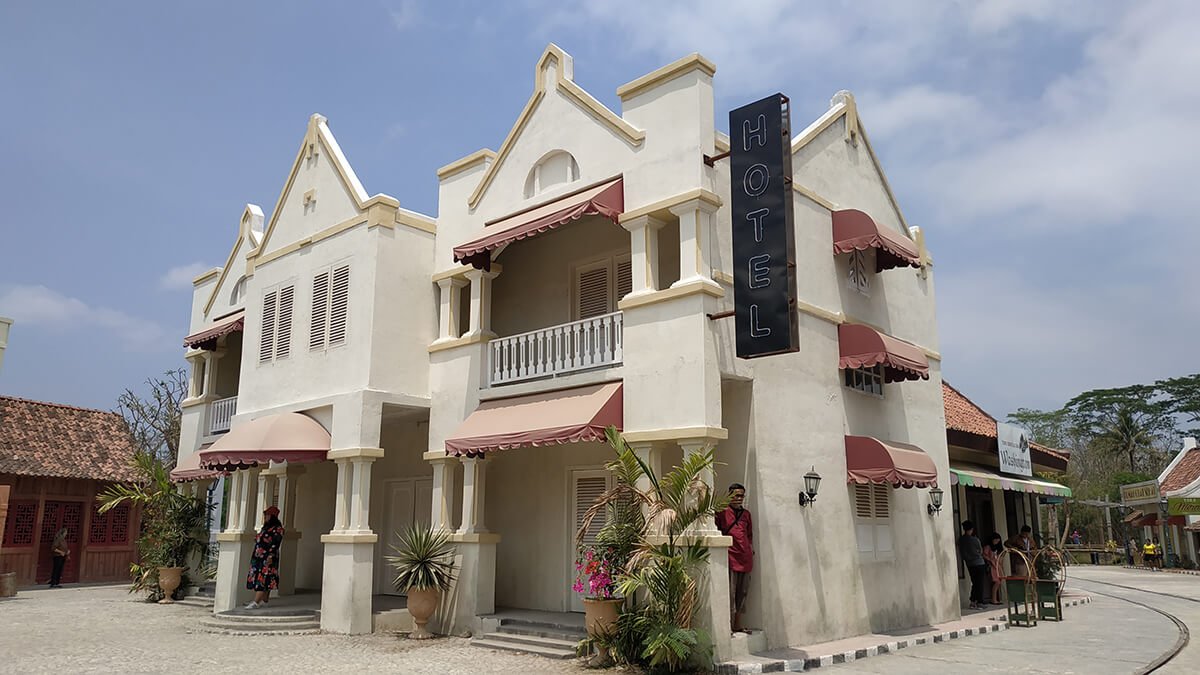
220, 412
550, 352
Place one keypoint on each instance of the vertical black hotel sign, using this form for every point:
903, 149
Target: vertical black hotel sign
764, 270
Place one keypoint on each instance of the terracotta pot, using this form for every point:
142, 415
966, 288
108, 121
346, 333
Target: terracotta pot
421, 605
169, 579
600, 618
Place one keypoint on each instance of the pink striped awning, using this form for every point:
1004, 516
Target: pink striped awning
207, 338
286, 437
864, 347
870, 460
188, 469
567, 416
604, 199
854, 230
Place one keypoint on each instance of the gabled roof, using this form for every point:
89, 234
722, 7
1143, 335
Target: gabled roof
60, 441
1183, 471
251, 234
963, 415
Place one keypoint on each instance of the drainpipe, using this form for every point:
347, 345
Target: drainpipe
5, 324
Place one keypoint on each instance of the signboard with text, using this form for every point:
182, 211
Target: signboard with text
1140, 493
1183, 506
1014, 449
764, 265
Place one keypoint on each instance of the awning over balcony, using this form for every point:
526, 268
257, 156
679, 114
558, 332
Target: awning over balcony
870, 460
854, 230
188, 469
864, 347
207, 338
987, 478
567, 416
287, 437
605, 199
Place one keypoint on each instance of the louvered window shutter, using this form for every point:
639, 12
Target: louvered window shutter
320, 311
266, 343
283, 333
624, 280
882, 510
587, 490
863, 529
592, 290
339, 299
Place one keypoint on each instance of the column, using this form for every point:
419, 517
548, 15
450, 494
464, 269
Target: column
481, 301
210, 371
196, 377
691, 446
348, 573
286, 477
266, 490
341, 499
236, 544
361, 505
443, 488
473, 494
651, 455
474, 594
643, 247
448, 310
695, 232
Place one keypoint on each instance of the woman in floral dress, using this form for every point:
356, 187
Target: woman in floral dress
264, 564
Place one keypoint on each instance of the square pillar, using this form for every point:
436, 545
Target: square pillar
695, 234
286, 477
341, 498
196, 360
349, 563
473, 495
474, 591
481, 301
643, 247
235, 545
713, 608
443, 488
210, 372
448, 309
691, 446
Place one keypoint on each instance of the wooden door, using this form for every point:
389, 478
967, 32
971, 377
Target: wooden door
585, 487
55, 516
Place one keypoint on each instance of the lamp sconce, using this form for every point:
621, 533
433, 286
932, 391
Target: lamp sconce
935, 502
812, 481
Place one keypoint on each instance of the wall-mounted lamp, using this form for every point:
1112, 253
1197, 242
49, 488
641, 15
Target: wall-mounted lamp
812, 481
935, 501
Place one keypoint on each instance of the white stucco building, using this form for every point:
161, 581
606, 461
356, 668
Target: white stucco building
379, 367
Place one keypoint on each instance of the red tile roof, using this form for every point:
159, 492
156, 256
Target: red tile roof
60, 441
963, 415
1186, 471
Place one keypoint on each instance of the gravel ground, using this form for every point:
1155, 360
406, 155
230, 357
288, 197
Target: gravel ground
103, 629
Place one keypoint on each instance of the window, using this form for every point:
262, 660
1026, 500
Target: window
866, 380
555, 168
18, 529
872, 521
330, 302
600, 285
276, 339
858, 279
111, 527
238, 292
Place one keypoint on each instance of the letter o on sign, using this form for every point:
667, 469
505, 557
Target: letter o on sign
756, 180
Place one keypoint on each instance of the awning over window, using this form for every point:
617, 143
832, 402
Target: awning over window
870, 460
864, 347
854, 230
1133, 516
287, 437
986, 478
1151, 520
188, 469
567, 416
606, 199
207, 338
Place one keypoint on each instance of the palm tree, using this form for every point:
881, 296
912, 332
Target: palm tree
1124, 435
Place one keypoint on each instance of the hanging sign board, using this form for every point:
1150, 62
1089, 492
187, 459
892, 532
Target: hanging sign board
1183, 506
764, 259
1140, 493
1014, 449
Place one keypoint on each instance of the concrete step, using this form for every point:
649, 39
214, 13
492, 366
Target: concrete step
527, 644
559, 631
217, 625
251, 616
196, 601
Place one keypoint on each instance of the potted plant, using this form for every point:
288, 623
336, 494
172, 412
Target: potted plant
1047, 565
174, 527
595, 579
424, 566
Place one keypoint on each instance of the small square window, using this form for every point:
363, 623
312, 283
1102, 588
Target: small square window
865, 380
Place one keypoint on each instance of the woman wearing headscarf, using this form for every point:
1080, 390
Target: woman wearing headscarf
60, 551
264, 564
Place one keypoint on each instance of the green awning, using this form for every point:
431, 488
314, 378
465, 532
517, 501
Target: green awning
986, 478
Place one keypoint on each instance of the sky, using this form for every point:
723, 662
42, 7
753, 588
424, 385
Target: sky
1049, 151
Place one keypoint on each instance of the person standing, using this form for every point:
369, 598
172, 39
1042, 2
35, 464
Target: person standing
60, 552
991, 554
1023, 542
1131, 550
735, 522
264, 564
971, 552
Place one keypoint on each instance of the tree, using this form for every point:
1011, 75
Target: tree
1182, 398
1051, 428
154, 420
1125, 421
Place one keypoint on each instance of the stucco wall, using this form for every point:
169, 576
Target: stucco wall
314, 517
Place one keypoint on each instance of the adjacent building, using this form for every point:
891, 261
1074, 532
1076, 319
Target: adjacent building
366, 367
1168, 507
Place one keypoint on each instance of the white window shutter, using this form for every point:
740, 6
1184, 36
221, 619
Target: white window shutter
266, 343
883, 538
881, 506
339, 301
865, 537
592, 290
283, 333
320, 311
862, 501
587, 490
624, 280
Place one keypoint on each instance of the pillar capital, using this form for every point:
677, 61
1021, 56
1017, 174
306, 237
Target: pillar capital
439, 457
644, 221
368, 454
448, 283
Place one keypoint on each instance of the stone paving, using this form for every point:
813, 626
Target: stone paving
106, 630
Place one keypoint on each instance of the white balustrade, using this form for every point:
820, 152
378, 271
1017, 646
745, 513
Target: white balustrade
220, 412
549, 352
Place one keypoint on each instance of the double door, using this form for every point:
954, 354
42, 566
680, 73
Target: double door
409, 502
56, 516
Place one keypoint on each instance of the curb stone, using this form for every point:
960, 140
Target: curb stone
1159, 569
814, 662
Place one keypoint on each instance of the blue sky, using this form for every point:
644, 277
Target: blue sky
1049, 151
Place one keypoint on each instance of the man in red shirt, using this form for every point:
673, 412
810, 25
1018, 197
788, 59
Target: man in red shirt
735, 522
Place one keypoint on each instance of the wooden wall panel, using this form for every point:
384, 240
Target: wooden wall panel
107, 565
23, 561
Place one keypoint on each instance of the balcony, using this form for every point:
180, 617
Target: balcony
558, 350
220, 412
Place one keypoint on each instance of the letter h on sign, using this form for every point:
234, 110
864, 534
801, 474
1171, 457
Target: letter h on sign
764, 269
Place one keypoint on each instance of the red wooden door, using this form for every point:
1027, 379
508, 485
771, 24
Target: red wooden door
58, 515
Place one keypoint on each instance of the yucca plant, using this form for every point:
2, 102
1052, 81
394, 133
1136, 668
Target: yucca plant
424, 560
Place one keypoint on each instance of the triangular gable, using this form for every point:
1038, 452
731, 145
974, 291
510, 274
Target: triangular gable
563, 82
249, 235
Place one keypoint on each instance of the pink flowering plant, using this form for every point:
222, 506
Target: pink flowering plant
595, 573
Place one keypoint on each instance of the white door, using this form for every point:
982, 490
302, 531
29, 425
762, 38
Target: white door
586, 485
400, 516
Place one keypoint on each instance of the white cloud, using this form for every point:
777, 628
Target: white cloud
45, 307
180, 277
405, 14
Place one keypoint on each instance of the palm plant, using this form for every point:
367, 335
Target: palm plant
653, 516
1125, 436
174, 525
424, 560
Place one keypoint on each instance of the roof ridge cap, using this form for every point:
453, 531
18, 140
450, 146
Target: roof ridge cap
58, 405
968, 400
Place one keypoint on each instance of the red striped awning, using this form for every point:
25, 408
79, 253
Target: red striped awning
551, 418
870, 460
605, 199
286, 437
207, 338
864, 347
1151, 520
854, 230
188, 469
